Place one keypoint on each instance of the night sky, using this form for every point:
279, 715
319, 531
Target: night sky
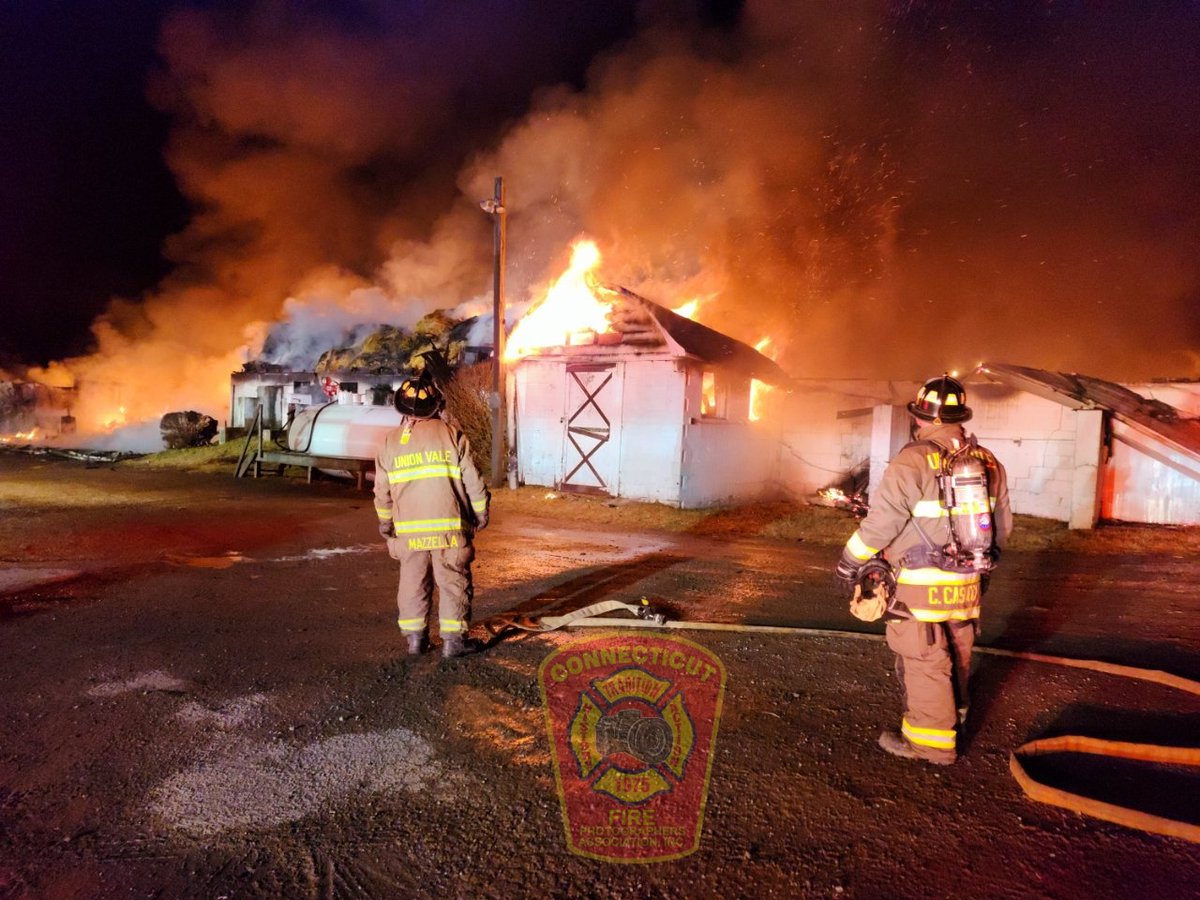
86, 198
1017, 178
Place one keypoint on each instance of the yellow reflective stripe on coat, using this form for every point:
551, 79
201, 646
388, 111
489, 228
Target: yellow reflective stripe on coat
414, 526
383, 513
938, 738
933, 509
479, 505
859, 549
945, 615
434, 470
411, 624
929, 576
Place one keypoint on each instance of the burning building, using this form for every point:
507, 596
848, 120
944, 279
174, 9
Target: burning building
617, 395
365, 373
613, 394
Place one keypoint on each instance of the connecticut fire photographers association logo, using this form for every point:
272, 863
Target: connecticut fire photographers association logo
633, 722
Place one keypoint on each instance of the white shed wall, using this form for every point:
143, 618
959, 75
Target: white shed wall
727, 462
541, 399
827, 432
652, 417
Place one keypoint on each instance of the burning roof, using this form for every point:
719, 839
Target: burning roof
578, 309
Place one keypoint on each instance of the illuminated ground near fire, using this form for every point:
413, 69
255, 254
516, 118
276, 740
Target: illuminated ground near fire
251, 729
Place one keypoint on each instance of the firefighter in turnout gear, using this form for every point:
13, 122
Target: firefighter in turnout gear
430, 500
922, 517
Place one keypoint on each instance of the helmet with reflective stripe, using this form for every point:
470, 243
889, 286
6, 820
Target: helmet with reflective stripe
941, 399
418, 397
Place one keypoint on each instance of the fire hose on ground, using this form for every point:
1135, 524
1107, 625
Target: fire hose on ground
646, 616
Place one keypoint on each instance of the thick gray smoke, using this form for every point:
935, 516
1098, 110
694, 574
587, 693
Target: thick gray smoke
886, 191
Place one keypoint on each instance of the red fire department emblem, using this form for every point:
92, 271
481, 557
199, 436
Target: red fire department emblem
632, 721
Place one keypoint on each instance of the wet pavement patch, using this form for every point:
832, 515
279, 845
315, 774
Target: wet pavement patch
15, 580
224, 561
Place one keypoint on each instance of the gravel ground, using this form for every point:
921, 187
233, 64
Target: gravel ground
216, 705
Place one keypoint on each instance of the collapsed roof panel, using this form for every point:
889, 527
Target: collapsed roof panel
1152, 418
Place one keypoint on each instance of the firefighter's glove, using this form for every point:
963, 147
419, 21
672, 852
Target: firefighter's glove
385, 529
481, 522
869, 609
845, 576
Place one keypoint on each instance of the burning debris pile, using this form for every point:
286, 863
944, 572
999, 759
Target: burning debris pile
30, 412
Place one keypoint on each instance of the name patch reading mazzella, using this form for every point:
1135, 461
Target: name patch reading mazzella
632, 722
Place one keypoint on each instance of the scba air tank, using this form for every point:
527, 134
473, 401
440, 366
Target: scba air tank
971, 505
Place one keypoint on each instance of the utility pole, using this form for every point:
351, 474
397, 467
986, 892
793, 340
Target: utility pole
495, 207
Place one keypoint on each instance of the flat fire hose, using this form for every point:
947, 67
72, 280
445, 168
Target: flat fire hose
648, 617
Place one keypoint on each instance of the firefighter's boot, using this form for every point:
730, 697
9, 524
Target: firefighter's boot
456, 645
416, 643
894, 743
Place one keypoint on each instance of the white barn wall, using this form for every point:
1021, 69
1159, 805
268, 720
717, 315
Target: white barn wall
670, 454
727, 462
1033, 438
818, 449
541, 408
652, 416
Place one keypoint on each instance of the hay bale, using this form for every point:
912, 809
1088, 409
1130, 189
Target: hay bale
187, 429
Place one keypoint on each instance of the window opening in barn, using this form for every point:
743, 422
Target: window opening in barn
714, 395
350, 387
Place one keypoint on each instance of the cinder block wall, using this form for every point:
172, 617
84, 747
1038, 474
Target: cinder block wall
1035, 440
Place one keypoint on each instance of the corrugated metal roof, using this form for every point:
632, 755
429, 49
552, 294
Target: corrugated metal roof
1153, 418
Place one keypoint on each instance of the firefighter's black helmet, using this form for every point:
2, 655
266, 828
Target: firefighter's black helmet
418, 397
941, 399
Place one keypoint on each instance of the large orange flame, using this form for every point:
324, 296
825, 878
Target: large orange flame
570, 313
759, 390
20, 437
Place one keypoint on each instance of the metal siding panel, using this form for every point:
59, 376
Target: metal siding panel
1141, 489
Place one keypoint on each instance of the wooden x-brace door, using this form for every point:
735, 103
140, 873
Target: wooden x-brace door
593, 417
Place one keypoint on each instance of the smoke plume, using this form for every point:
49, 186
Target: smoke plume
886, 190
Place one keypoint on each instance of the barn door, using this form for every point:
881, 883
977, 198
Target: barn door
593, 420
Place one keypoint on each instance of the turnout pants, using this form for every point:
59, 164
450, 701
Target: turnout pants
933, 664
420, 570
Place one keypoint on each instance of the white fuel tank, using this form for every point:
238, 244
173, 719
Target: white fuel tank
350, 432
